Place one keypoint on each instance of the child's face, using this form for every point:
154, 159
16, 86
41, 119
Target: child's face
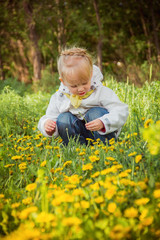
76, 85
78, 88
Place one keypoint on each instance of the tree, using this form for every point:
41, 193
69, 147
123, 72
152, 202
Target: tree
100, 39
35, 52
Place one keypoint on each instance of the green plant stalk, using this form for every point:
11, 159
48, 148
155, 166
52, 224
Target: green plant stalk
86, 122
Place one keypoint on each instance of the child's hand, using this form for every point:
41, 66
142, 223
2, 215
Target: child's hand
50, 127
94, 125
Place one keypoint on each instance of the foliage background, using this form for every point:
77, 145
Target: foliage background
123, 36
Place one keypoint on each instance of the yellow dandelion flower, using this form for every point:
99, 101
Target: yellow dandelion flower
56, 147
70, 186
119, 232
16, 157
77, 205
9, 165
39, 145
94, 186
22, 166
115, 162
82, 153
94, 158
144, 213
67, 163
27, 201
74, 179
96, 174
138, 158
31, 187
123, 174
77, 149
147, 123
107, 163
71, 221
141, 201
86, 182
131, 212
121, 150
111, 141
142, 185
157, 233
78, 192
45, 217
128, 170
15, 205
147, 221
156, 193
48, 147
52, 170
99, 199
1, 196
26, 212
90, 139
110, 158
58, 170
132, 154
84, 204
110, 192
96, 152
112, 207
43, 164
10, 172
87, 167
111, 148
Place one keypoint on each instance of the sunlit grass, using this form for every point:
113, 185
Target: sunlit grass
80, 192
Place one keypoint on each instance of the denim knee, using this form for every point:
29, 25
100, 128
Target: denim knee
64, 118
95, 112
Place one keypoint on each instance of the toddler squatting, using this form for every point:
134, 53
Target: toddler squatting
82, 108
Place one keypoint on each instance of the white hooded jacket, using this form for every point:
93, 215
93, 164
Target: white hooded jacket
101, 97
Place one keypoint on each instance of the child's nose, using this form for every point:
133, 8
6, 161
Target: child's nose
80, 88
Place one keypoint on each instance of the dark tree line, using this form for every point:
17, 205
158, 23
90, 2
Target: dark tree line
33, 32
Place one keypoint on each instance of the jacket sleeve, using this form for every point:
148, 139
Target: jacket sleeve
52, 113
118, 111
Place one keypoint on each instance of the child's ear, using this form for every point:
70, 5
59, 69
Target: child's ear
60, 79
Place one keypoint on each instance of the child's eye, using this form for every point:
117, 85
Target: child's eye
73, 86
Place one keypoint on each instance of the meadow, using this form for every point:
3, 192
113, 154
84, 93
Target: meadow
92, 192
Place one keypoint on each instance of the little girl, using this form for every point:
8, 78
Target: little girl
82, 108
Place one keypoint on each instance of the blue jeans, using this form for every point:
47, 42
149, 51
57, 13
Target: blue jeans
69, 126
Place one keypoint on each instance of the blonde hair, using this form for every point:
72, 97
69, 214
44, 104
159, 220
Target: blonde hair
75, 60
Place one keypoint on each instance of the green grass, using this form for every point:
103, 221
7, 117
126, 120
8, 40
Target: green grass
78, 192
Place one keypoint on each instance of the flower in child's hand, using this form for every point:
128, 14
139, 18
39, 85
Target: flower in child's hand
50, 127
95, 125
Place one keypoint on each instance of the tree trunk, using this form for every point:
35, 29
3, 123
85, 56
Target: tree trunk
100, 39
60, 26
144, 26
20, 62
35, 52
155, 31
2, 73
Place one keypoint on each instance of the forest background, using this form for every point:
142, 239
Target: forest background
123, 36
